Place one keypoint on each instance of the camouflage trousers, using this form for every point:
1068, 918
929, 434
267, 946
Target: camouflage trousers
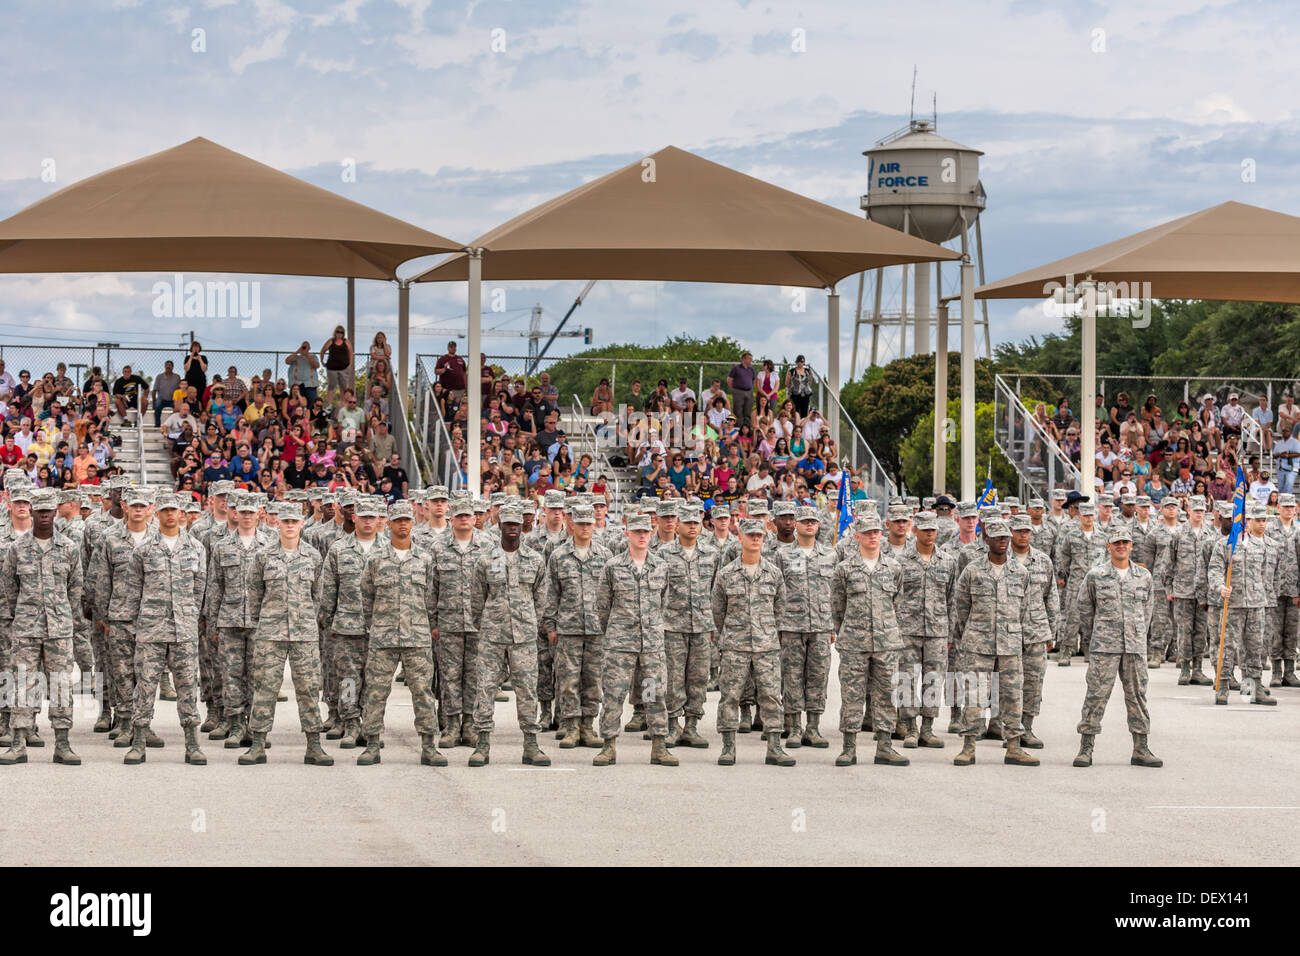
545, 669
1244, 641
1162, 623
329, 679
1283, 628
619, 676
1189, 629
457, 672
7, 691
866, 674
121, 664
83, 650
922, 663
1034, 666
99, 647
1132, 670
209, 677
1068, 638
634, 694
28, 660
268, 675
496, 662
578, 662
805, 671
762, 671
1002, 674
350, 670
152, 660
715, 657
381, 665
235, 653
687, 656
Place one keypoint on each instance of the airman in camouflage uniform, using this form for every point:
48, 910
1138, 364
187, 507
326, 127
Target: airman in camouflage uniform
923, 608
572, 624
509, 591
1115, 602
864, 614
40, 592
746, 595
807, 567
991, 611
400, 605
1157, 543
100, 522
1175, 577
339, 529
1254, 583
1284, 616
1040, 628
1079, 547
1043, 534
69, 524
163, 585
544, 540
18, 511
284, 589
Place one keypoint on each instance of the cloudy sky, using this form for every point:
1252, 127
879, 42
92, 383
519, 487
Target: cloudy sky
1095, 119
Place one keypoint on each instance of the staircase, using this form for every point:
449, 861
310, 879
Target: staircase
1037, 459
144, 455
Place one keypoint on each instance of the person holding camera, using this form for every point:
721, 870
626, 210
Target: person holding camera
302, 371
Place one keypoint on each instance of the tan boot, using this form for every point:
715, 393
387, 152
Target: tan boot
256, 751
608, 755
315, 756
776, 757
927, 737
533, 755
1084, 757
371, 755
659, 753
569, 735
429, 756
63, 750
482, 754
728, 756
136, 754
793, 739
1142, 757
193, 755
691, 735
911, 739
886, 754
849, 755
17, 752
674, 732
468, 735
587, 735
967, 755
1027, 739
812, 734
1018, 756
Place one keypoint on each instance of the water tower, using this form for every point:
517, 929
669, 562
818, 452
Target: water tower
926, 186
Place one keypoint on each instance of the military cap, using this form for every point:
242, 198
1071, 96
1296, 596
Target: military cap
497, 499
751, 526
898, 513
192, 505
400, 509
719, 511
989, 511
481, 507
691, 513
138, 496
1144, 501
1128, 499
67, 495
1058, 494
296, 494
44, 499
996, 528
1087, 508
863, 505
222, 487
315, 493
967, 509
925, 521
586, 498
367, 507
1037, 504
1011, 501
511, 514
14, 477
807, 513
781, 508
529, 506
95, 491
1020, 523
287, 511
168, 500
461, 493
119, 481
437, 493
1223, 508
1254, 509
756, 507
912, 501
1170, 502
927, 503
866, 522
553, 499
1105, 499
1284, 500
1197, 502
246, 502
582, 514
897, 500
458, 507
22, 493
640, 522
1120, 532
329, 498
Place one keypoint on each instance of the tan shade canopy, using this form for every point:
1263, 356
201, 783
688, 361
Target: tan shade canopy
200, 207
1227, 252
696, 221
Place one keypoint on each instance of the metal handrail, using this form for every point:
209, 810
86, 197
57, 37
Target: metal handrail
438, 457
880, 486
1016, 411
139, 440
588, 433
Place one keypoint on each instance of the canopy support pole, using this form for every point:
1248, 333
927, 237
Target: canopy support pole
833, 363
967, 379
940, 456
1088, 389
403, 340
474, 362
352, 314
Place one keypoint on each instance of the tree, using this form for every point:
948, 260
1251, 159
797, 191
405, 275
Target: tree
916, 453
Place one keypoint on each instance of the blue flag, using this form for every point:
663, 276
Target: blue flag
846, 514
990, 497
1238, 511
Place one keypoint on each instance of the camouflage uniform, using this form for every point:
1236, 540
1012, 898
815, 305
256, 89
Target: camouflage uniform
509, 589
864, 613
284, 589
1078, 552
1040, 628
1158, 543
1254, 583
110, 603
1284, 616
1175, 573
227, 607
630, 611
458, 641
923, 608
400, 605
688, 613
571, 612
342, 620
1115, 613
745, 607
804, 620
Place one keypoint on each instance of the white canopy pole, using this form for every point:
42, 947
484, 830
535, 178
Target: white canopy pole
833, 363
941, 400
968, 465
473, 390
1088, 388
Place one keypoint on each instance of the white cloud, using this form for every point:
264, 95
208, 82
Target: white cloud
271, 48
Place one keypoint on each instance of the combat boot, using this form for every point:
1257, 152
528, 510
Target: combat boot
193, 755
1221, 695
674, 732
994, 730
1063, 658
1262, 696
103, 723
544, 716
335, 727
746, 719
587, 736
6, 731
785, 727
124, 733
17, 752
886, 754
1289, 678
1184, 675
691, 736
659, 753
533, 755
900, 730
1084, 757
1153, 660
1027, 738
351, 731
757, 725
468, 735
166, 690
137, 752
502, 696
911, 739
315, 756
1017, 756
1233, 683
795, 740
927, 737
1199, 677
1142, 757
1276, 679
954, 726
256, 750
967, 755
63, 750
608, 755
728, 756
238, 732
777, 757
429, 756
213, 718
637, 723
569, 734
812, 734
222, 730
153, 740
34, 736
849, 755
450, 732
371, 755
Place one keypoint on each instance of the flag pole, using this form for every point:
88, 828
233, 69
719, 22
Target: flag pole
1223, 627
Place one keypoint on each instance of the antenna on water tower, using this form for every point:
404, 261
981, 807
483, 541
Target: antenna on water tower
911, 111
